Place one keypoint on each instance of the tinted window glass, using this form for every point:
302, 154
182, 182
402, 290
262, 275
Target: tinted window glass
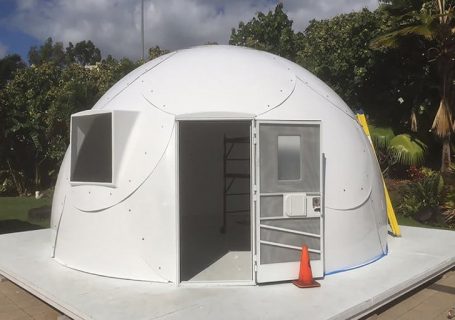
288, 157
91, 148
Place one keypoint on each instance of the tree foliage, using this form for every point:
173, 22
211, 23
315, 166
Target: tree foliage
156, 52
407, 150
36, 104
337, 51
270, 32
84, 53
395, 151
431, 25
48, 52
24, 106
8, 67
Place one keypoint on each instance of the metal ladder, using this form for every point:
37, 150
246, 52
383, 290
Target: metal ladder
230, 177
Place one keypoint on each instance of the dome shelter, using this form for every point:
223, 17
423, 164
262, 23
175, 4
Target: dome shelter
216, 164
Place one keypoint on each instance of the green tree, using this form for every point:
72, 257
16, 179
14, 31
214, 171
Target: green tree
394, 87
36, 104
270, 32
156, 51
23, 112
8, 67
391, 150
112, 70
337, 51
432, 25
84, 53
35, 110
48, 52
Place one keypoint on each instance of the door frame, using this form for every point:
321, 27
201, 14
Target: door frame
289, 266
247, 119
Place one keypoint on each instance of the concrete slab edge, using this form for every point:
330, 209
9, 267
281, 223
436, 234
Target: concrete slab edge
370, 305
73, 314
355, 312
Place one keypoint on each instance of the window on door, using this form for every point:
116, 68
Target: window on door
289, 157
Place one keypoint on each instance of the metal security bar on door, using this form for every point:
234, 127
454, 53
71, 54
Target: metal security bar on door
289, 205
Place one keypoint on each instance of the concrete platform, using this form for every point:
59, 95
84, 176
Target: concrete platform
418, 256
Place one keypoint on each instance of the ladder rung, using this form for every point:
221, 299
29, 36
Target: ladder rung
238, 140
237, 211
237, 194
237, 175
238, 159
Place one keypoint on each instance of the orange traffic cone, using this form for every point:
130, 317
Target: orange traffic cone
305, 275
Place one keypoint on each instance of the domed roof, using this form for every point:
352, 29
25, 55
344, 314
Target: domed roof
219, 78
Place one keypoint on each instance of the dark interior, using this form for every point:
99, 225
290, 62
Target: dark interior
91, 148
214, 177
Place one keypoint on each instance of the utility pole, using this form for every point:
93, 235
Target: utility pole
142, 30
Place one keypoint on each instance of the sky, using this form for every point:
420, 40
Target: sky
114, 25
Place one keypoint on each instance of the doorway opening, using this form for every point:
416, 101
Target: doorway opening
215, 201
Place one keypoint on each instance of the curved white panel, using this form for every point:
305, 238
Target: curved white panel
59, 197
61, 189
147, 143
128, 80
352, 239
218, 78
133, 240
101, 243
318, 86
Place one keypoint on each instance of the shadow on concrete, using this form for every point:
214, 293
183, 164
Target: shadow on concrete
15, 225
40, 213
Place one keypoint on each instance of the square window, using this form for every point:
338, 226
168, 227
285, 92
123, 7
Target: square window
91, 148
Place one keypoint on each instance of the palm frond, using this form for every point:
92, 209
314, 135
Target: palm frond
415, 23
442, 123
390, 40
423, 30
413, 119
407, 151
381, 136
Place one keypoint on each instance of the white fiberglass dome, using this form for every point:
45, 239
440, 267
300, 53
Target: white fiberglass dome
122, 195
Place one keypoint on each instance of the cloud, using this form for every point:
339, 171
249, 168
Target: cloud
3, 50
301, 12
114, 25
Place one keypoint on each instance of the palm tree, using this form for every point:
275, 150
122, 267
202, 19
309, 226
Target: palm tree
394, 149
435, 22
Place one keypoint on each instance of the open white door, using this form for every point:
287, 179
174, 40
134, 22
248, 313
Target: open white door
289, 208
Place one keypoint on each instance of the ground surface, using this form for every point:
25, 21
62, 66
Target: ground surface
18, 304
431, 301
